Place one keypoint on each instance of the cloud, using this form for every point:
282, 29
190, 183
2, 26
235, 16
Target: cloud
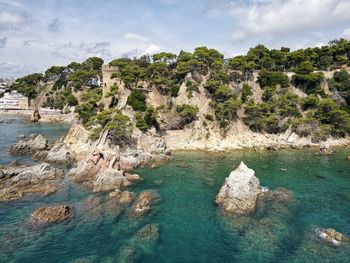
3, 42
83, 50
152, 49
346, 33
137, 37
55, 25
276, 18
13, 16
10, 69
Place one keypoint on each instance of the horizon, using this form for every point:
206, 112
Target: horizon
35, 35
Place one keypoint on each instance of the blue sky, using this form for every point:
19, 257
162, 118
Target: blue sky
35, 34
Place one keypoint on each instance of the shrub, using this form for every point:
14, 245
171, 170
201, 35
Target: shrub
187, 112
272, 79
246, 92
137, 100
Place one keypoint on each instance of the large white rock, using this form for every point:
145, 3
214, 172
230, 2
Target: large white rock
240, 191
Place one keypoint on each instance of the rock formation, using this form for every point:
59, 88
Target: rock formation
325, 149
35, 116
21, 180
240, 191
34, 144
331, 236
53, 214
143, 203
59, 153
102, 172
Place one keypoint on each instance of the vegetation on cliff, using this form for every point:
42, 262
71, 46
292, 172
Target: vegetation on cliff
303, 99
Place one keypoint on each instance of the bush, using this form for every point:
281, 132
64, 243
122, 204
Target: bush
309, 102
246, 92
119, 128
272, 79
187, 112
175, 90
137, 100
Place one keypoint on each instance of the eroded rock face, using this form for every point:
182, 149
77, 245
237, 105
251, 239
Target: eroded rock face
53, 214
239, 193
58, 154
33, 145
102, 172
21, 180
331, 236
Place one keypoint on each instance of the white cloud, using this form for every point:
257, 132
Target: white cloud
137, 37
152, 49
346, 33
82, 50
276, 18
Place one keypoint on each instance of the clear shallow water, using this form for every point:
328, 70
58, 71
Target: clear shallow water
12, 126
191, 227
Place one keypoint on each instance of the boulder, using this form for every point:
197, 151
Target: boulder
331, 236
53, 214
35, 116
239, 193
33, 145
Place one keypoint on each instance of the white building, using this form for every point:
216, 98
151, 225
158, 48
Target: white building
14, 101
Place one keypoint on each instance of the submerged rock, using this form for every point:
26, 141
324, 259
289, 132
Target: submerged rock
143, 203
240, 191
149, 234
53, 214
331, 236
22, 179
33, 145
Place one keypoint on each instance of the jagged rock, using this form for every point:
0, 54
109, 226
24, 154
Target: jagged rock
58, 154
239, 193
40, 178
102, 171
143, 203
53, 214
35, 116
38, 143
331, 236
279, 194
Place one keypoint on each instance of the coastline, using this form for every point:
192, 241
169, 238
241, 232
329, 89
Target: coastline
46, 116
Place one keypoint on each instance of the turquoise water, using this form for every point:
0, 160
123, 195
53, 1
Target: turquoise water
191, 227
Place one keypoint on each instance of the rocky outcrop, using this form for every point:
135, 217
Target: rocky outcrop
35, 116
21, 180
331, 236
53, 214
59, 153
34, 144
240, 191
143, 203
101, 171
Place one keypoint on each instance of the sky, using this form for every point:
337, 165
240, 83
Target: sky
36, 34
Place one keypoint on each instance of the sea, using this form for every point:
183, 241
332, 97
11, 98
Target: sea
191, 227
